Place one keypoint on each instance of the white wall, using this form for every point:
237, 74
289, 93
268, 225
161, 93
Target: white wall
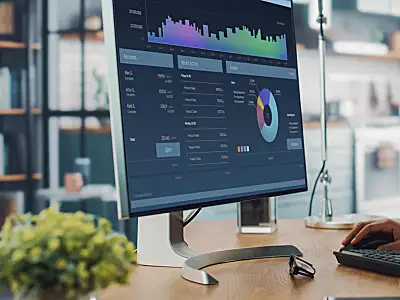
348, 78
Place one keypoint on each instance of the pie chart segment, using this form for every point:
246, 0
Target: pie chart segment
267, 115
260, 113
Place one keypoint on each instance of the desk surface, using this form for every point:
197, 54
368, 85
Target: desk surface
262, 279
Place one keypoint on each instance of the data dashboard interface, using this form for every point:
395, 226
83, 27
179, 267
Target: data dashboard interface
210, 101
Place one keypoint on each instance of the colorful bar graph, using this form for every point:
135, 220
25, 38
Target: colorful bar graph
240, 40
243, 149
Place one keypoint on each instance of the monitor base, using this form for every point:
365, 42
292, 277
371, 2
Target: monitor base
192, 269
346, 222
161, 243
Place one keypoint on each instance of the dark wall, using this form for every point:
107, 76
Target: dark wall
102, 172
99, 150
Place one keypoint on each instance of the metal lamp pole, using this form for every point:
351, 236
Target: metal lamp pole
326, 219
326, 179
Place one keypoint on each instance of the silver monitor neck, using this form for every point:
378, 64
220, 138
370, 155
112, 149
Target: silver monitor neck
161, 243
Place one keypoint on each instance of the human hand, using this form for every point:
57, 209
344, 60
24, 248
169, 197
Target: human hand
365, 228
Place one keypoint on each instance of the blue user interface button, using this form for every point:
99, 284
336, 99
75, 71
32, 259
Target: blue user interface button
168, 150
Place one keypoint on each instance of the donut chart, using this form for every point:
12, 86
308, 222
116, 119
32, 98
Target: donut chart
267, 115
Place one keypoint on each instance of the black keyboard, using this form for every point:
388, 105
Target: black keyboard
384, 262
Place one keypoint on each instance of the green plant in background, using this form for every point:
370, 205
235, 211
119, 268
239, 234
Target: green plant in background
377, 35
68, 255
101, 97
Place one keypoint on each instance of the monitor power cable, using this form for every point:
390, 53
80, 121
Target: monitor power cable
191, 217
315, 187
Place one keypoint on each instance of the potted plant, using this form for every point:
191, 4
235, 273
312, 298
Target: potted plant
62, 256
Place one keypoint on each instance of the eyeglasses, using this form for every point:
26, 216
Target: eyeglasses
298, 266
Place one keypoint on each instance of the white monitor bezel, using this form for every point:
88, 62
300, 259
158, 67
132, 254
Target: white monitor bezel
115, 111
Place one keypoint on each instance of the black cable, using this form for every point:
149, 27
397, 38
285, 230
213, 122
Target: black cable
321, 29
315, 187
191, 218
322, 21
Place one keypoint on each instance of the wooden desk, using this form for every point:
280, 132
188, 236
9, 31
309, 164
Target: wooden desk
262, 279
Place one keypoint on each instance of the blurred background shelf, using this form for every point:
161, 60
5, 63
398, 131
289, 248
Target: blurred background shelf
14, 121
300, 47
391, 56
16, 45
78, 113
17, 111
88, 129
16, 183
89, 35
316, 124
18, 177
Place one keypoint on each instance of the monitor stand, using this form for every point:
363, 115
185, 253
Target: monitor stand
161, 243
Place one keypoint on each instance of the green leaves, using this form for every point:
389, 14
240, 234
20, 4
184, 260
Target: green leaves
73, 253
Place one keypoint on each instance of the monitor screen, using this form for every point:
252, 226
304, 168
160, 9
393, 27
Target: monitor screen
209, 102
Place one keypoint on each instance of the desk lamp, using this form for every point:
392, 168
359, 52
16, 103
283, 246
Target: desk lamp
326, 219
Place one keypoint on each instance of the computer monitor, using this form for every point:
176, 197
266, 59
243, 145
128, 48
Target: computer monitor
208, 103
205, 102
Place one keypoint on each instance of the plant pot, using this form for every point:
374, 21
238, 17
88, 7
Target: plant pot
49, 295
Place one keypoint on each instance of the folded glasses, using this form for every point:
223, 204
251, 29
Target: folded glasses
298, 266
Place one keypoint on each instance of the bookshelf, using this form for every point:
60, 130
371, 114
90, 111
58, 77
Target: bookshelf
20, 81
